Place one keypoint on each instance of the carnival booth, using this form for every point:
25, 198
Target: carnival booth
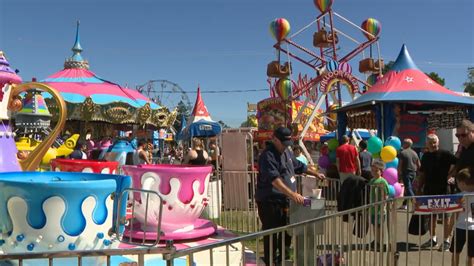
276, 111
406, 103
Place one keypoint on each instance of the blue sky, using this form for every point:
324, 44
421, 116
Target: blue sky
221, 44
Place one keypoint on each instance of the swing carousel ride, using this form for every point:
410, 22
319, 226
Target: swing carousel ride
308, 100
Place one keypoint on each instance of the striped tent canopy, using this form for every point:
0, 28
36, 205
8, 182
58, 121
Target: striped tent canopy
91, 98
405, 82
403, 91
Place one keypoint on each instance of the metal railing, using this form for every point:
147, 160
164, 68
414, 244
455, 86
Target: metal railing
373, 234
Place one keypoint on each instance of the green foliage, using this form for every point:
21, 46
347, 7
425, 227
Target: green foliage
436, 78
182, 110
223, 124
251, 121
433, 75
387, 67
469, 84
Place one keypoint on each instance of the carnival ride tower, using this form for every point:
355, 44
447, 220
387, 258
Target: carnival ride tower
330, 63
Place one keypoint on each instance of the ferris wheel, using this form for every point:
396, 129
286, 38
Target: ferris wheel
335, 49
335, 45
165, 93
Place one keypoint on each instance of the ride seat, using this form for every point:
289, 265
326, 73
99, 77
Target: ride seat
370, 65
275, 70
323, 39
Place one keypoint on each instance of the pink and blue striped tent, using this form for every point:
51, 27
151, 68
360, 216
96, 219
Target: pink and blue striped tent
76, 84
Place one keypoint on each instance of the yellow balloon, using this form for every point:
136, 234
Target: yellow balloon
388, 154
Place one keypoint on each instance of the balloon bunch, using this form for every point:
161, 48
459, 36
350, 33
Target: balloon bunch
388, 154
328, 154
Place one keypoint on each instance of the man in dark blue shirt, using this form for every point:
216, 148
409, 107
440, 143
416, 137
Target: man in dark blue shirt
276, 183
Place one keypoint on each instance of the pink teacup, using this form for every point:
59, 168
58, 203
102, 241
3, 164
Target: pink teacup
182, 188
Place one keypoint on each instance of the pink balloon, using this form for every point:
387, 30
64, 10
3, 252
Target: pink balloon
391, 175
399, 189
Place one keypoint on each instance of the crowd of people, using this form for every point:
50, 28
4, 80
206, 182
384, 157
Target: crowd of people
145, 152
434, 172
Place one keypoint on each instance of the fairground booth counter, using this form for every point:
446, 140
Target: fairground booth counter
406, 103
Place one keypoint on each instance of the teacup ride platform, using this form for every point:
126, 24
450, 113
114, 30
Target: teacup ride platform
84, 166
182, 193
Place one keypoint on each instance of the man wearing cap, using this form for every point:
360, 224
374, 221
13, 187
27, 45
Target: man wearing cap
276, 184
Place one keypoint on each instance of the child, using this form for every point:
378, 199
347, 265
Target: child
378, 192
299, 155
465, 221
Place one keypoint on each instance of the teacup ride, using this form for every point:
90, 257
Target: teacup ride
28, 144
182, 190
118, 152
10, 102
84, 166
51, 211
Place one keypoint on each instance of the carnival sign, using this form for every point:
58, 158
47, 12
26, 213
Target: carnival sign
331, 78
438, 204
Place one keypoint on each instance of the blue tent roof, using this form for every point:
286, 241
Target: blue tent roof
203, 128
364, 134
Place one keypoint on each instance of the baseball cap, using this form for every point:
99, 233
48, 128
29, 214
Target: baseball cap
284, 135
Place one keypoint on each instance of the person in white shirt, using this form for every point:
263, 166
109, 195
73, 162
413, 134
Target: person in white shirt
465, 221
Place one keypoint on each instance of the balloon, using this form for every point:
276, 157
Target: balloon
345, 67
388, 154
392, 164
372, 26
372, 79
333, 144
376, 155
332, 156
279, 28
391, 191
374, 144
394, 142
332, 65
284, 88
324, 161
323, 5
398, 190
391, 175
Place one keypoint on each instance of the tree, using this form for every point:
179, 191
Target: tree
436, 78
182, 109
387, 67
251, 121
223, 124
433, 75
469, 84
